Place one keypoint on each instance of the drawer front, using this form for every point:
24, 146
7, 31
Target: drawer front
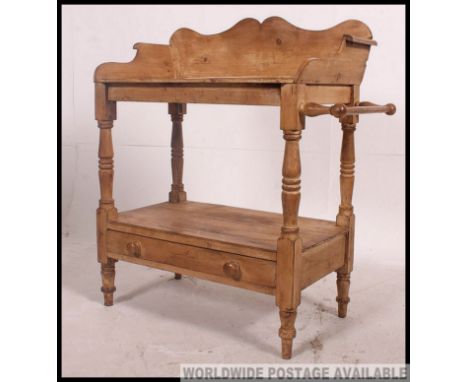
223, 265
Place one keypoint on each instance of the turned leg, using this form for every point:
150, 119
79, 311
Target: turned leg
342, 283
345, 215
105, 114
287, 331
177, 193
108, 276
289, 245
105, 210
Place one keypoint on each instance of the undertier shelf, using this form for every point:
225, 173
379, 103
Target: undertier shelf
229, 229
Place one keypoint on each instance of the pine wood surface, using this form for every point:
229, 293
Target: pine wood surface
249, 232
273, 51
270, 63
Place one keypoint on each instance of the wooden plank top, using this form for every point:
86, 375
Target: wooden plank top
273, 51
238, 230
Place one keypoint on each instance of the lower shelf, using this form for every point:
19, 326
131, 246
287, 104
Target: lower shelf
230, 229
233, 246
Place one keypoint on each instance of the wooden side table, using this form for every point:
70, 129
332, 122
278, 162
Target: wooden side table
306, 73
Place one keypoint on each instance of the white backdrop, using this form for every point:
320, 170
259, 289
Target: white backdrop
233, 154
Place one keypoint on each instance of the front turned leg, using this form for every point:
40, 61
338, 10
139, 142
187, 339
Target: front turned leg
342, 282
289, 245
108, 276
288, 291
287, 331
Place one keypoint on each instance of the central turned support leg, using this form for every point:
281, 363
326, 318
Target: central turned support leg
345, 215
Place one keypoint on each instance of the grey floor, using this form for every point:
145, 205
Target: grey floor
157, 322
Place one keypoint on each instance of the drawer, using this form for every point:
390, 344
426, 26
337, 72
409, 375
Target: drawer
224, 267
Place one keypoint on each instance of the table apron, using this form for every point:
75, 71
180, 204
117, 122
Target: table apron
239, 94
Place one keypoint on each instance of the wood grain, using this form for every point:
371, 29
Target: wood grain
237, 230
108, 276
273, 51
345, 215
177, 193
347, 161
190, 272
321, 260
187, 257
105, 112
290, 245
269, 63
237, 94
343, 282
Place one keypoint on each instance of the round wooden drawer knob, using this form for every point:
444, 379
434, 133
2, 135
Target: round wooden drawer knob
232, 269
134, 248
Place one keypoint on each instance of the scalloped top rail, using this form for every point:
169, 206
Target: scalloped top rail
274, 51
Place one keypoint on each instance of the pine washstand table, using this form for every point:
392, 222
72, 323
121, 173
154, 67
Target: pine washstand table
306, 73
